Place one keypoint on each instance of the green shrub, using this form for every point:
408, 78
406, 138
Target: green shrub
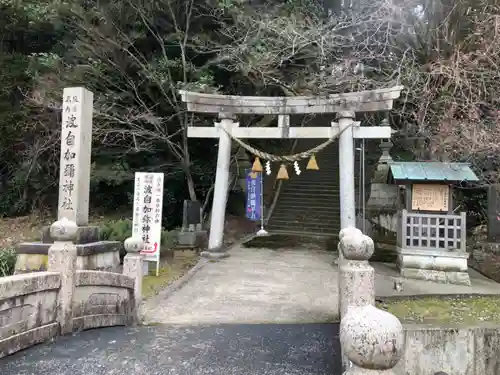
7, 261
116, 230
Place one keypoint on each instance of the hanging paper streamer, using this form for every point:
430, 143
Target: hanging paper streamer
268, 168
312, 164
297, 168
257, 166
254, 195
282, 173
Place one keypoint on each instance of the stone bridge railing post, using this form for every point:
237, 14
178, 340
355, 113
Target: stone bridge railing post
62, 259
357, 277
132, 267
372, 340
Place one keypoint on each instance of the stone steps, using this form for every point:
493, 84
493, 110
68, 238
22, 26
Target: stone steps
309, 203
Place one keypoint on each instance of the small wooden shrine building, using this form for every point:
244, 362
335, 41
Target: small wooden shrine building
431, 238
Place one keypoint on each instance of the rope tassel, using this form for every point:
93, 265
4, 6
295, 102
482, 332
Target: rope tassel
257, 165
282, 173
312, 164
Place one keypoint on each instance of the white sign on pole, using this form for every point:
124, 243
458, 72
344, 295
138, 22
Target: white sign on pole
148, 203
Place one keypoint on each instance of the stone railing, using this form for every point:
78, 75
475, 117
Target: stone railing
28, 310
372, 339
35, 307
102, 299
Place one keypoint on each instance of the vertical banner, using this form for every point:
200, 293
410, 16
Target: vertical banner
148, 203
254, 195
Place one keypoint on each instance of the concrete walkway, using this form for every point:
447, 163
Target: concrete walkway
290, 285
254, 285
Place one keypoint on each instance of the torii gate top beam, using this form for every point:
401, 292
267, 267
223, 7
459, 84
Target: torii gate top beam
362, 101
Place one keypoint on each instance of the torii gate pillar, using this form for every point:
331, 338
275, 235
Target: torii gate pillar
221, 188
346, 172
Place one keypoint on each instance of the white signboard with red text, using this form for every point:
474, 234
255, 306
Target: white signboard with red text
148, 203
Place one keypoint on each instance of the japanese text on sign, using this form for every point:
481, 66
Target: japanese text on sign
430, 197
148, 201
69, 138
253, 209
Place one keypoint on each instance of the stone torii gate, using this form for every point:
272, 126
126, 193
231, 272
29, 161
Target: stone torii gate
227, 107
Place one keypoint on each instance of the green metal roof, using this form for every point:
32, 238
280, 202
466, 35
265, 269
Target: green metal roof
432, 171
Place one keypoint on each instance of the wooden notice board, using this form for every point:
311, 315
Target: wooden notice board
430, 197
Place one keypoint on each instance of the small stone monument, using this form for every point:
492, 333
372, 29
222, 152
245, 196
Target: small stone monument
133, 267
384, 201
494, 214
383, 196
484, 248
74, 182
192, 235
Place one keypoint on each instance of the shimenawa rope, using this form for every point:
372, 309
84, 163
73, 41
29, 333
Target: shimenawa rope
286, 158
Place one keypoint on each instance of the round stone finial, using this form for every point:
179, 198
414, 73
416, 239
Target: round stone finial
372, 338
356, 246
370, 246
349, 230
64, 230
133, 244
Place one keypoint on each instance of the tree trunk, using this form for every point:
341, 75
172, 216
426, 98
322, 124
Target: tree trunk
186, 163
190, 184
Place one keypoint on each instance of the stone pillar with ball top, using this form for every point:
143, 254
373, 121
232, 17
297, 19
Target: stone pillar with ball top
356, 276
74, 184
372, 340
132, 267
62, 256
